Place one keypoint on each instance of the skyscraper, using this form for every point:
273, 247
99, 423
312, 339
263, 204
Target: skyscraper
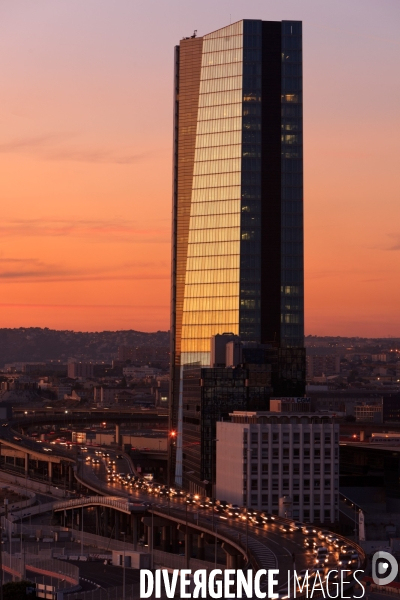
237, 257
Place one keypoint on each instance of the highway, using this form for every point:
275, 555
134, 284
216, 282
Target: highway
268, 544
272, 547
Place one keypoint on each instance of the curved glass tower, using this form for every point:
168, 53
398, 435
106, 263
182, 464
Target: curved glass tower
237, 255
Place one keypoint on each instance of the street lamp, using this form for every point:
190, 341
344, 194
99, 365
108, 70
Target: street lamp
123, 568
82, 534
212, 484
172, 442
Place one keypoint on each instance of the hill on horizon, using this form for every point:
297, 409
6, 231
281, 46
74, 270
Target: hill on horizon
36, 344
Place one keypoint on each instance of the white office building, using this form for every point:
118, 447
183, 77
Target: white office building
286, 464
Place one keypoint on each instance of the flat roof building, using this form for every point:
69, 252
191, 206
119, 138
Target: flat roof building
282, 464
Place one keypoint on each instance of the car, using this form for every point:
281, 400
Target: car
4, 424
329, 538
309, 542
296, 526
257, 520
322, 558
306, 529
17, 439
322, 534
318, 549
346, 549
286, 528
344, 559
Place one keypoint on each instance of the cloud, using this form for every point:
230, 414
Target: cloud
396, 245
28, 270
31, 143
57, 146
92, 230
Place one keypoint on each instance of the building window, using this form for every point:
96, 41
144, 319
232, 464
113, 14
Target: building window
317, 438
264, 437
306, 484
254, 438
327, 499
296, 484
285, 469
306, 514
296, 469
306, 453
275, 453
264, 484
316, 514
327, 438
275, 484
245, 437
306, 438
327, 514
275, 498
327, 468
275, 468
296, 453
317, 453
264, 453
296, 438
265, 468
264, 499
285, 484
296, 498
316, 484
254, 484
275, 438
285, 453
285, 437
306, 499
327, 453
254, 499
317, 469
254, 468
306, 469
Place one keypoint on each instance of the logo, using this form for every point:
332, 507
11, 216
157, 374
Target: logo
384, 568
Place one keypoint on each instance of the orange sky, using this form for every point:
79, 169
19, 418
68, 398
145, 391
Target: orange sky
85, 151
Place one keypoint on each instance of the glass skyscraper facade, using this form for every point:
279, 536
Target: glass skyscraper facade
237, 258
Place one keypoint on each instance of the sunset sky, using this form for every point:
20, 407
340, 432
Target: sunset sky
86, 149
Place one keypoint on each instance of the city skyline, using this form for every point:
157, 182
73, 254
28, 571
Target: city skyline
85, 225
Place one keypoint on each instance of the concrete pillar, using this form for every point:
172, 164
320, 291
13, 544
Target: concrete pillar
98, 521
117, 435
26, 463
105, 521
116, 524
134, 529
200, 547
231, 561
150, 538
50, 470
188, 548
174, 539
145, 535
165, 543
